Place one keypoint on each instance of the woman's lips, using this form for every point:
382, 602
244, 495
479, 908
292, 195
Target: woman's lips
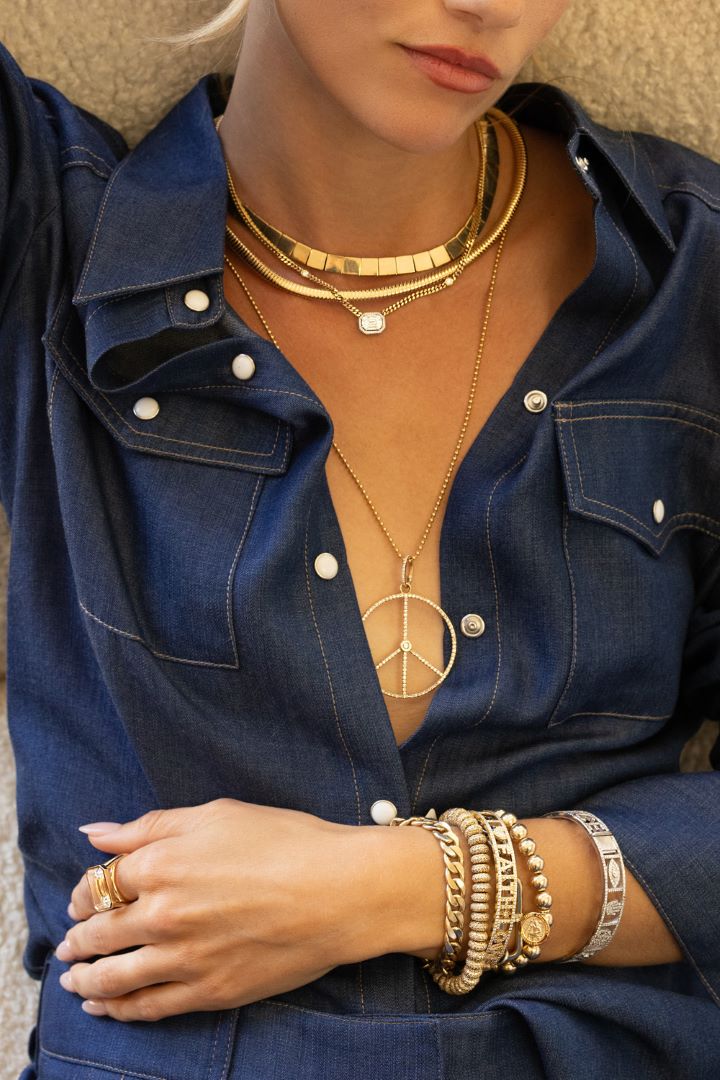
452, 76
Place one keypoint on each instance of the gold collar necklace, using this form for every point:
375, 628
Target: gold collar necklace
374, 322
383, 266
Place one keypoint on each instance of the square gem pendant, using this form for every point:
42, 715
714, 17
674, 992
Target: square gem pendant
372, 322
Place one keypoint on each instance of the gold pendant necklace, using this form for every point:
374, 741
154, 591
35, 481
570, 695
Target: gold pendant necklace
406, 649
374, 322
405, 596
447, 275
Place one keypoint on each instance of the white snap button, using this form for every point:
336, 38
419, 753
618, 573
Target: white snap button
582, 163
326, 565
472, 625
146, 408
658, 510
383, 811
243, 366
535, 401
197, 300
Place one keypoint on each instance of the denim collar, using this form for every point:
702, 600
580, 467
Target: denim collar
162, 217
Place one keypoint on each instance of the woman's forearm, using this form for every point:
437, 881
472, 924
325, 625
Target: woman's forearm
411, 876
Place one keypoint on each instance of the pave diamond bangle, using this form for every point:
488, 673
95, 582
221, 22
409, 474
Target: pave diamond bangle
613, 881
478, 928
506, 884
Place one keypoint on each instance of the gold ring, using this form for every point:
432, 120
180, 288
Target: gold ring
104, 891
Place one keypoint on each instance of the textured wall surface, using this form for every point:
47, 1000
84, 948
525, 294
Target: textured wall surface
634, 65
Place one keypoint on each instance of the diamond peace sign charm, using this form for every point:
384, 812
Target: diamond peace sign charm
405, 649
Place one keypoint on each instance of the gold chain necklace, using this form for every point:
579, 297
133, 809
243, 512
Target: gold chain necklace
374, 322
383, 266
405, 595
448, 273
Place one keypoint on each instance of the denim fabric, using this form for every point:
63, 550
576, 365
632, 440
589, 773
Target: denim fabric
169, 641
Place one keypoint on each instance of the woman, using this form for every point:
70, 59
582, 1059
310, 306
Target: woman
289, 565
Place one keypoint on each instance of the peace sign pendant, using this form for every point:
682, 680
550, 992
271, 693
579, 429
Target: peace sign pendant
405, 648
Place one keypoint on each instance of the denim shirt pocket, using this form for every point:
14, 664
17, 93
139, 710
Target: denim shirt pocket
641, 485
157, 512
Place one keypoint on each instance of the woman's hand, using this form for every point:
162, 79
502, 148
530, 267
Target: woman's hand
230, 902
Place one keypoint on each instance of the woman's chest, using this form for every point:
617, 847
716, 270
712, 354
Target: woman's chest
192, 536
406, 407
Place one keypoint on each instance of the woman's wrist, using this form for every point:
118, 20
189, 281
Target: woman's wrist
575, 882
400, 891
404, 882
407, 890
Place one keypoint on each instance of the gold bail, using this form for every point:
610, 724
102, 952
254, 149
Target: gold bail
407, 573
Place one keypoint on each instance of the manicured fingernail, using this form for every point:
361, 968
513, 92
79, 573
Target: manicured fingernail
99, 826
95, 1008
66, 981
63, 951
71, 911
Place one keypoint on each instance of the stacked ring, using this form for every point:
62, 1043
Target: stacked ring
104, 889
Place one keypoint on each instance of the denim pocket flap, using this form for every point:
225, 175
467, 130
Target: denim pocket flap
649, 468
158, 514
190, 408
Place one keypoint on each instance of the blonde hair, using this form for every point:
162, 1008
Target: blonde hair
225, 28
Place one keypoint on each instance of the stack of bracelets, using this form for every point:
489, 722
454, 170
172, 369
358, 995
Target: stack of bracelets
507, 937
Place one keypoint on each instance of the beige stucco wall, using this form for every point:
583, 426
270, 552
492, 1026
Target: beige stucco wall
633, 64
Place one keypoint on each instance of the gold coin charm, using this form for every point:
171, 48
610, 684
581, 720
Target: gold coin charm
534, 928
405, 648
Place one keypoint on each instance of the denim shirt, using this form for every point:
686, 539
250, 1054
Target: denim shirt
170, 642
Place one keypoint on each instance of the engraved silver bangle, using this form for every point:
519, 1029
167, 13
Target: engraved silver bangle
613, 881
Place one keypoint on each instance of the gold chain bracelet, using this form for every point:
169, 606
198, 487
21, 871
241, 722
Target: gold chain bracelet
454, 889
480, 918
502, 939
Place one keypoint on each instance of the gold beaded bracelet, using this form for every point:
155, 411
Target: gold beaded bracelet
491, 837
533, 927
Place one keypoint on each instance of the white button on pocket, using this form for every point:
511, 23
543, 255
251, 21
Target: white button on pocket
326, 565
658, 510
535, 401
383, 811
145, 408
197, 300
243, 366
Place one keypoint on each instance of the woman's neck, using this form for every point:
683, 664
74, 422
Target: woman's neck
311, 169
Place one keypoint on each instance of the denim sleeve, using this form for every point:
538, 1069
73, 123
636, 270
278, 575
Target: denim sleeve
26, 168
28, 194
668, 826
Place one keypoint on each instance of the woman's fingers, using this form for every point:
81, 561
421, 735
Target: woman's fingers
128, 872
105, 933
117, 976
152, 1003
